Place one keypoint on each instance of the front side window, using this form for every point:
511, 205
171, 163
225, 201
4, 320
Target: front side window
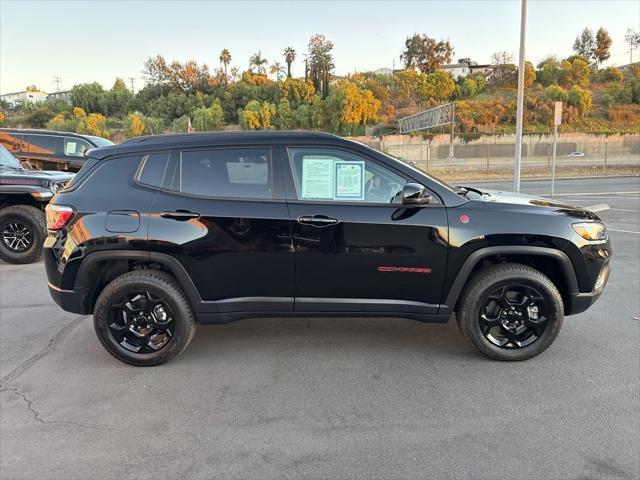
231, 173
75, 147
335, 175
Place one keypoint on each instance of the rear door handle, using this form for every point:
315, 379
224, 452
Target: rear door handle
180, 215
318, 220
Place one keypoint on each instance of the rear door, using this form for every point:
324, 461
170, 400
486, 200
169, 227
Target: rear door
357, 248
222, 213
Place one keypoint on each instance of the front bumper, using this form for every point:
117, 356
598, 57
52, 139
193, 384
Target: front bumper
579, 302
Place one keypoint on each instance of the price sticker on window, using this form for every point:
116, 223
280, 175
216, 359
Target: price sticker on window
349, 180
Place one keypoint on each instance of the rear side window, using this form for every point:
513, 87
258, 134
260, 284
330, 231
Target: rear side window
152, 169
230, 173
42, 144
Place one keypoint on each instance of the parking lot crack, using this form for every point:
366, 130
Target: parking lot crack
37, 415
51, 345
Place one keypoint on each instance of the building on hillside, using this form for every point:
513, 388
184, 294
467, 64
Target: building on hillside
456, 70
484, 70
29, 95
63, 95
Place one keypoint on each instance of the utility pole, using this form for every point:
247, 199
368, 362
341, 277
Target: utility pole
131, 80
520, 103
57, 80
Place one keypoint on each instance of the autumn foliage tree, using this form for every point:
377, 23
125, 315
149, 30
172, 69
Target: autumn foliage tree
425, 53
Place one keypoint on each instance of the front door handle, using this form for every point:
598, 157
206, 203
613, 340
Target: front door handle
180, 215
318, 220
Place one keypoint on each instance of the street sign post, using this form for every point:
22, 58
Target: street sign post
557, 120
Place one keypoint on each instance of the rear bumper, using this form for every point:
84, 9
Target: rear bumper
69, 300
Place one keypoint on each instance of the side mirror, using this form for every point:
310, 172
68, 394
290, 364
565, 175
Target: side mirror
414, 194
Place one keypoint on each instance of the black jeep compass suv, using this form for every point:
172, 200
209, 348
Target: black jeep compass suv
161, 233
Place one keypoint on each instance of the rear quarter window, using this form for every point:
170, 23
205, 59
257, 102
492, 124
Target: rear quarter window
152, 169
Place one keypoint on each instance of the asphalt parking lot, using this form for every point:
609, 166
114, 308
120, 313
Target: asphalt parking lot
329, 398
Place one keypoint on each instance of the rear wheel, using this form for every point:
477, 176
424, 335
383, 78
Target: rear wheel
510, 312
22, 233
143, 318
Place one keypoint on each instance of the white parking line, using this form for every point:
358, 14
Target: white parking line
623, 231
587, 194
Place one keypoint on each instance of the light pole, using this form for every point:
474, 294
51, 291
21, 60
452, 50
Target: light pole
523, 38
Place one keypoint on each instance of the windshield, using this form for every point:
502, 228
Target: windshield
99, 141
8, 160
432, 177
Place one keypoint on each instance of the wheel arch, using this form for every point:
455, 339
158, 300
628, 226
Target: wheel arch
550, 261
98, 269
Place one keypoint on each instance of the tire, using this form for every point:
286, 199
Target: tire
109, 324
487, 317
28, 220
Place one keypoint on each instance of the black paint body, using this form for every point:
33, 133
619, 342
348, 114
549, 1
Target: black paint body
243, 258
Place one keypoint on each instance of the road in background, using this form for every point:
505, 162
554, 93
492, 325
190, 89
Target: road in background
328, 398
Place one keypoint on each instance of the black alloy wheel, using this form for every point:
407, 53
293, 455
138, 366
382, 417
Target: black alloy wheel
141, 322
513, 316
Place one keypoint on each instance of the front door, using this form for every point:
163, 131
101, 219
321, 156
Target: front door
221, 215
357, 248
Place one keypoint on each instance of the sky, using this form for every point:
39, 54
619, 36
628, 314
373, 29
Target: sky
84, 41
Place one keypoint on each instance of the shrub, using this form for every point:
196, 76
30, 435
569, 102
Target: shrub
555, 93
206, 119
93, 124
580, 98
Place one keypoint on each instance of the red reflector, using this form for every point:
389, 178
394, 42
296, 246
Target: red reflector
58, 216
464, 218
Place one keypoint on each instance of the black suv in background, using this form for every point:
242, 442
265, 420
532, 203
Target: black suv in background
48, 149
23, 196
160, 233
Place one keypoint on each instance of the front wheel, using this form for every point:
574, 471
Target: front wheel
510, 312
22, 233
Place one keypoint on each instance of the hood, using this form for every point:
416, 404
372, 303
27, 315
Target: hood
497, 198
42, 178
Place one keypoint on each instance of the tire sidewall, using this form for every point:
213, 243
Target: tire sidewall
30, 255
553, 304
167, 293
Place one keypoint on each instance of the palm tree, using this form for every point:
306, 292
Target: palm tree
225, 59
256, 60
276, 69
289, 57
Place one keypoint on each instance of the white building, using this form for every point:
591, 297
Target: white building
456, 70
30, 95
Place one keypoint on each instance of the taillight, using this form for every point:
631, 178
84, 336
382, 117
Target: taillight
58, 216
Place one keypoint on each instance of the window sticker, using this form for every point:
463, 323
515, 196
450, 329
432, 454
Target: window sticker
349, 180
70, 148
317, 178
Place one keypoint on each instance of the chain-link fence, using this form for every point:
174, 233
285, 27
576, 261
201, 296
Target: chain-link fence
492, 156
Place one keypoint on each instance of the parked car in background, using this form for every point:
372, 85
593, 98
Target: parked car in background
23, 196
164, 232
48, 149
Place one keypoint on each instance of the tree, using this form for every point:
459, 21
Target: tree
438, 85
549, 71
297, 91
39, 117
135, 125
529, 74
284, 115
276, 69
91, 97
118, 98
554, 93
602, 46
501, 57
93, 124
633, 39
350, 105
575, 72
225, 59
320, 62
585, 44
467, 61
154, 71
289, 57
258, 61
580, 98
425, 53
207, 119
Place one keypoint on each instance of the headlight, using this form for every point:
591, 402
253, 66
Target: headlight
591, 230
